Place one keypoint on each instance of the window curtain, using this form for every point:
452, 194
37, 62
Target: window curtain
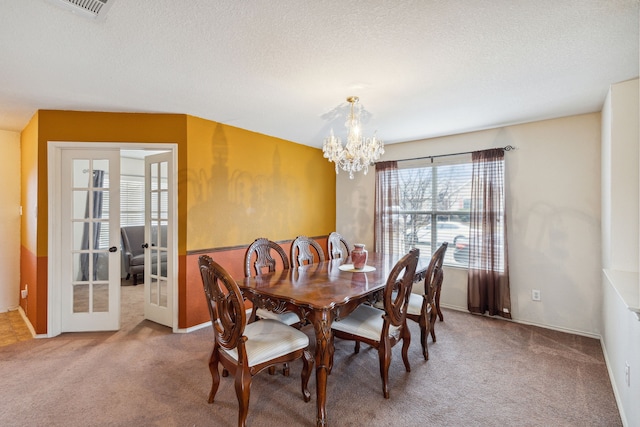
387, 201
488, 277
97, 181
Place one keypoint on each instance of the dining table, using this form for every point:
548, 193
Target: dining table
320, 294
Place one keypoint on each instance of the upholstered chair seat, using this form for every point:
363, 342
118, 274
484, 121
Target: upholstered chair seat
414, 307
288, 318
269, 339
415, 304
365, 321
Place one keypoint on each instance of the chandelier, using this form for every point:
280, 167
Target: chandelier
359, 152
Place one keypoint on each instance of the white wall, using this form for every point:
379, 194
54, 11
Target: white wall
10, 220
553, 209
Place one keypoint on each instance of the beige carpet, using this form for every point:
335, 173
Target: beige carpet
482, 372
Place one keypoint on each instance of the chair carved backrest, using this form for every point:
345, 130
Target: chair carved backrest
225, 303
302, 251
262, 248
398, 289
434, 275
335, 246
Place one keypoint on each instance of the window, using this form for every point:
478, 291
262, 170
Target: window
458, 201
131, 200
434, 206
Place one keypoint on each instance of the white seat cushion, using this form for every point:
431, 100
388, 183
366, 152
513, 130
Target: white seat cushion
288, 318
268, 339
415, 304
365, 321
414, 307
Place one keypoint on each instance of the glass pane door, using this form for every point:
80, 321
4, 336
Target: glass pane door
158, 285
90, 238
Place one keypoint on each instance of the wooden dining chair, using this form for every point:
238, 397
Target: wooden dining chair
259, 259
422, 308
246, 349
302, 251
337, 246
383, 329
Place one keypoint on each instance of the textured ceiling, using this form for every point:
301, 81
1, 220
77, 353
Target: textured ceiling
284, 68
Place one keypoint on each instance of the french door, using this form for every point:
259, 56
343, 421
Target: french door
90, 240
158, 274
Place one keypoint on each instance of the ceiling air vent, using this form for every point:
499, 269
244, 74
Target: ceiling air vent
93, 9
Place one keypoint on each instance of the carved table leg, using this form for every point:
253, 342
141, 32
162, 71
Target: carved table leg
322, 326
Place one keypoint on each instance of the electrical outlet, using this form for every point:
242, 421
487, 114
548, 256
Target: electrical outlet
25, 292
627, 374
535, 295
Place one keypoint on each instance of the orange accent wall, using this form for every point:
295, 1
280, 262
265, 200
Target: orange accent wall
233, 186
198, 312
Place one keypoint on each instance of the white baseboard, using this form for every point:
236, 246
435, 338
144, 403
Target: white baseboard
206, 324
193, 328
524, 322
28, 323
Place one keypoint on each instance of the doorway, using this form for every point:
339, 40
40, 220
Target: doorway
65, 198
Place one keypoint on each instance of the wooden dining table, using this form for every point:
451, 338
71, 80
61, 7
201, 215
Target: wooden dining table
321, 293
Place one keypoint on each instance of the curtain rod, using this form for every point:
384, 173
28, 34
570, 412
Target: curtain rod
506, 148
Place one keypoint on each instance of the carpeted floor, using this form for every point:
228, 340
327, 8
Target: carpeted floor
482, 372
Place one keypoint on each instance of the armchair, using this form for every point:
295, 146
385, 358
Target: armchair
132, 241
133, 252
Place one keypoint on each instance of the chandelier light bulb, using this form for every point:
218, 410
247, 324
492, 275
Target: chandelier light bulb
359, 152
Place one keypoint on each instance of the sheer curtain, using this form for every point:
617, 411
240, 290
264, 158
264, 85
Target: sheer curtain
387, 206
488, 279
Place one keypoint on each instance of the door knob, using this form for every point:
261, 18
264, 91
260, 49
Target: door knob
145, 245
113, 249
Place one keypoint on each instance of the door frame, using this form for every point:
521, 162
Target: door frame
54, 159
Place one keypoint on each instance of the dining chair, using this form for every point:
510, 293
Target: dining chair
258, 258
383, 329
246, 349
337, 246
302, 251
422, 308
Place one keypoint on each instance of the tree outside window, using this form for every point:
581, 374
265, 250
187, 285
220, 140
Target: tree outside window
434, 208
